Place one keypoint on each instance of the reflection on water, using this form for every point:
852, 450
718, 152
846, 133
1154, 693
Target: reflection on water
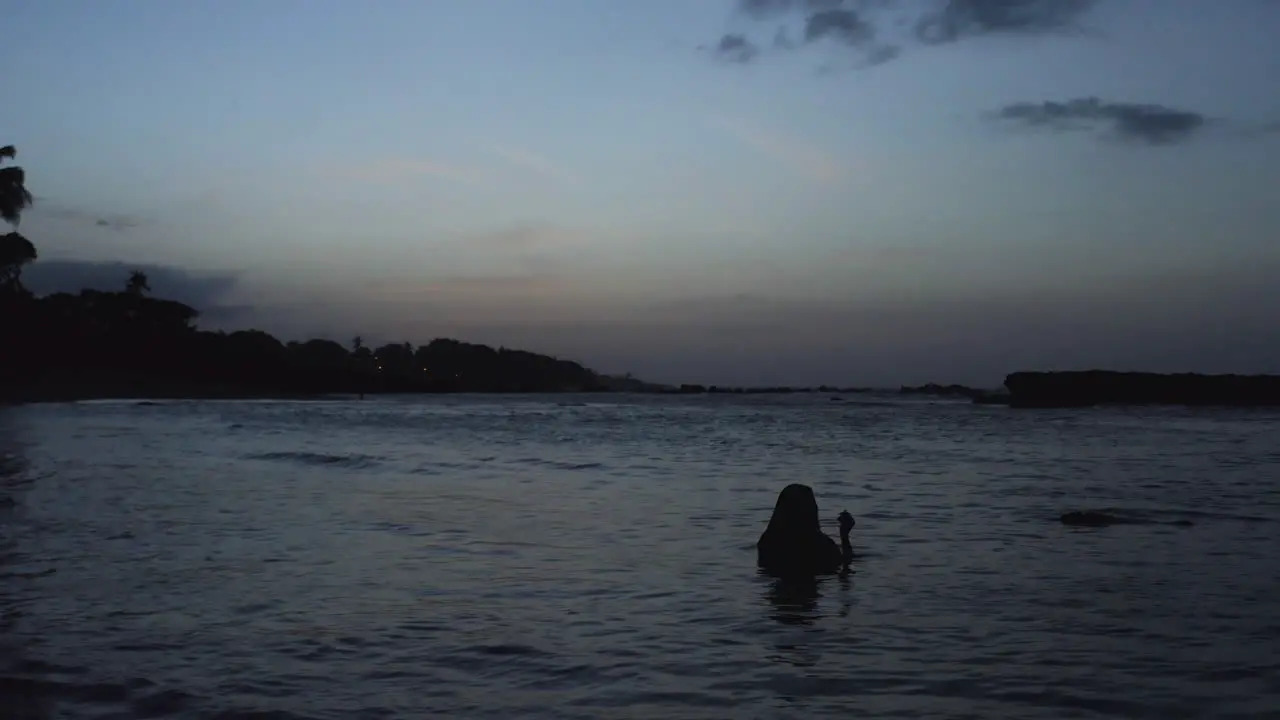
804, 605
794, 600
502, 558
16, 696
13, 462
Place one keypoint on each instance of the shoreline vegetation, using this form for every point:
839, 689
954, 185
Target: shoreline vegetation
129, 345
1100, 387
183, 363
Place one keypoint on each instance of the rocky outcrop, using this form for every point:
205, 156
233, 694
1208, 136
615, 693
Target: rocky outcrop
1101, 387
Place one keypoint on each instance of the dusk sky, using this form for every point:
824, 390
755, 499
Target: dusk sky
756, 192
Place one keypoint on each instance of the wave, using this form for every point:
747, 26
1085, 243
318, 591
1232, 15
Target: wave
557, 464
353, 460
27, 690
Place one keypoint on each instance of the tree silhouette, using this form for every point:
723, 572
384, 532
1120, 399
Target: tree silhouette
137, 284
14, 197
15, 252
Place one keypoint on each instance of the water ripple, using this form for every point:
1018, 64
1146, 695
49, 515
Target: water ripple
573, 558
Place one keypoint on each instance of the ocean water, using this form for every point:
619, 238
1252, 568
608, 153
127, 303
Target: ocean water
593, 557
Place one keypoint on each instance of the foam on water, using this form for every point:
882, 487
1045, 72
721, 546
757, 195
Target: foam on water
570, 557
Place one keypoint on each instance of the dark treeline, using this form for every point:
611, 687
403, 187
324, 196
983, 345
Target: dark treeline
1100, 387
936, 390
97, 343
125, 343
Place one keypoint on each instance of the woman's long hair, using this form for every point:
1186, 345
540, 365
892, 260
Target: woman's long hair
795, 514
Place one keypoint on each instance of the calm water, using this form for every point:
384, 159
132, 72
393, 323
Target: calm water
571, 558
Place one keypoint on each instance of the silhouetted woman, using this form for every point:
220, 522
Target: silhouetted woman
794, 545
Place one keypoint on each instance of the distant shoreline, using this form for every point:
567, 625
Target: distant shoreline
1023, 390
143, 393
66, 390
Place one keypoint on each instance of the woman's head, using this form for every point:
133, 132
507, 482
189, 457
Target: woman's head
795, 511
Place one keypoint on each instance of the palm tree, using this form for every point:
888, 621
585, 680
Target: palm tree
14, 197
15, 250
137, 284
360, 364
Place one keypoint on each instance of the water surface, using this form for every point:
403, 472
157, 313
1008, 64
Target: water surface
580, 557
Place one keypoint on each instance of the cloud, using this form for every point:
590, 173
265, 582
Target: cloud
966, 18
736, 49
840, 25
205, 291
855, 25
795, 153
1132, 122
535, 163
823, 21
112, 221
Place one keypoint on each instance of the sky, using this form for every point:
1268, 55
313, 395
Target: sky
867, 192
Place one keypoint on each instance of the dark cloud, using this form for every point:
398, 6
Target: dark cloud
823, 20
855, 22
204, 291
736, 48
842, 25
1133, 122
963, 18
